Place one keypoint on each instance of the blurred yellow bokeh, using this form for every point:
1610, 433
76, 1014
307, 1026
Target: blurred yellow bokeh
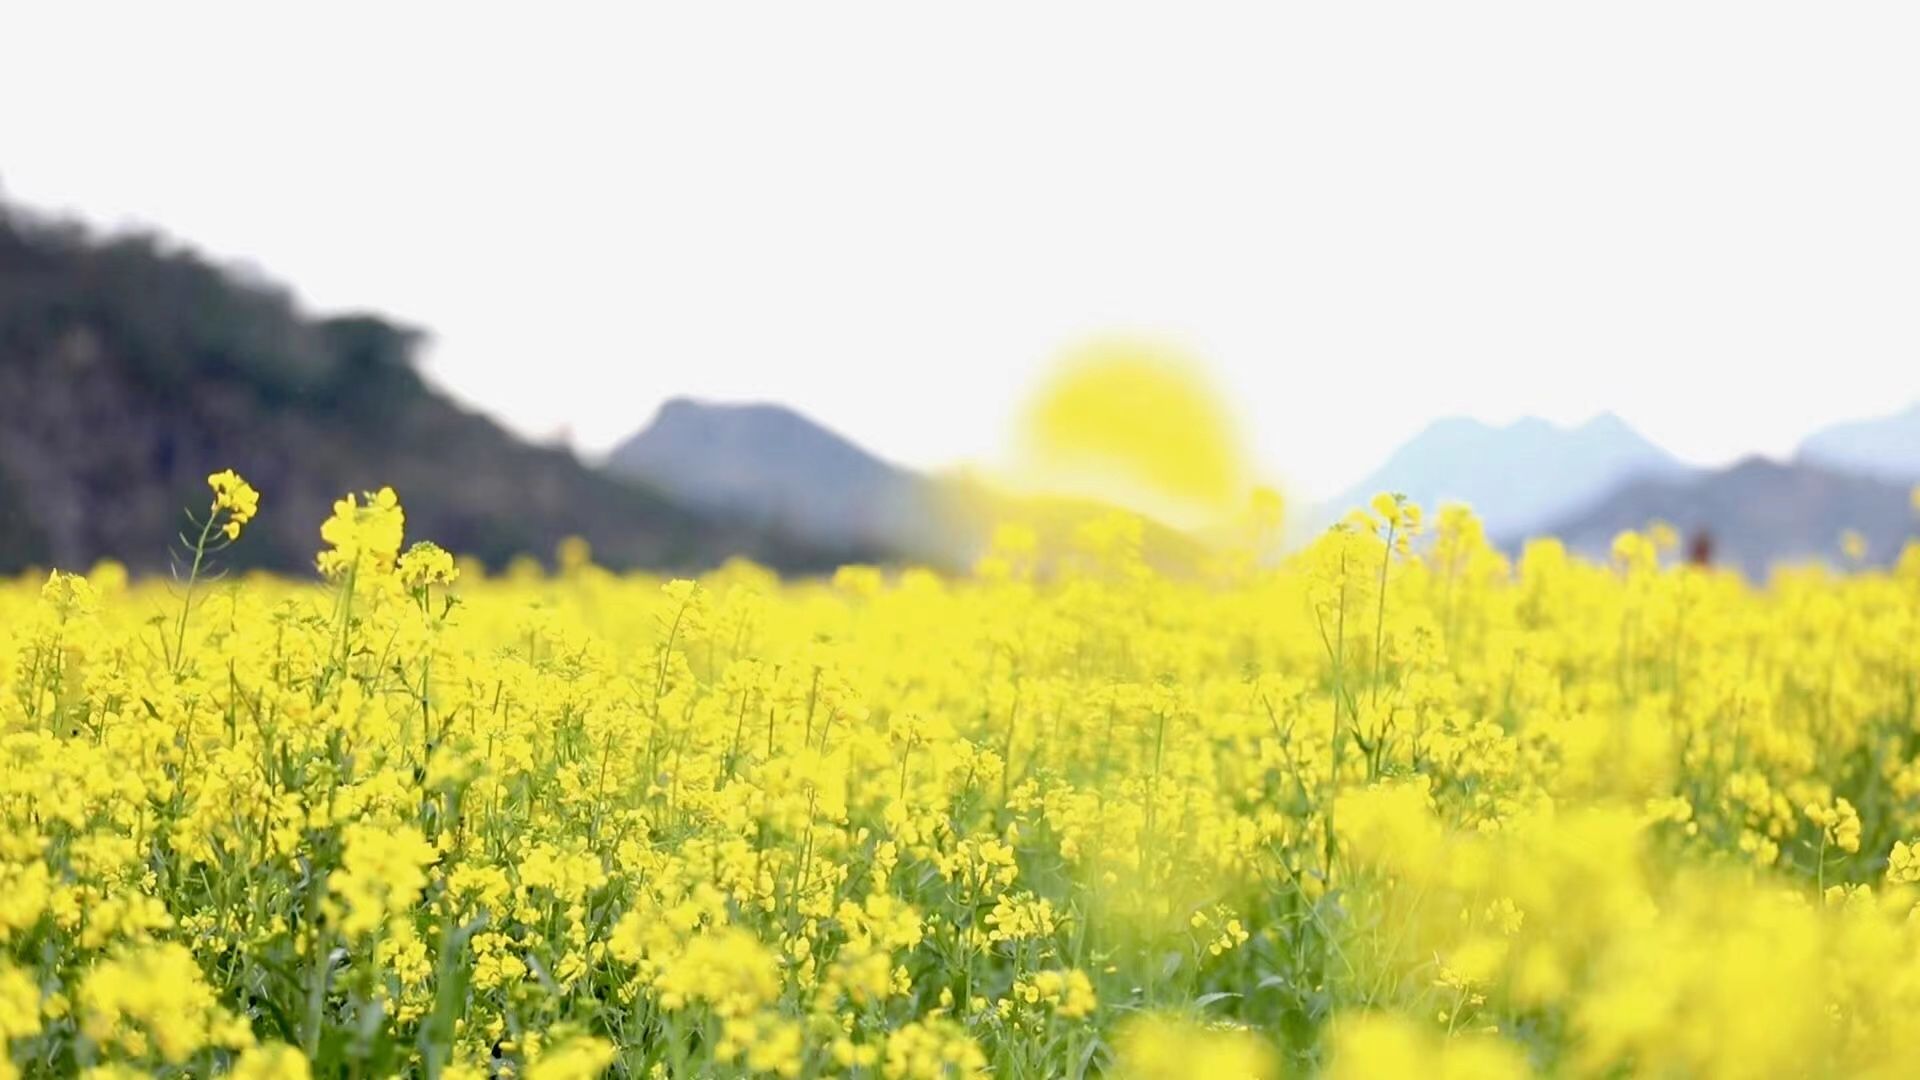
1137, 422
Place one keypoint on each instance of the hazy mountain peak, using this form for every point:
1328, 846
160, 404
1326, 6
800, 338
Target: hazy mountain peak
1886, 446
682, 408
775, 466
1517, 476
770, 464
1606, 423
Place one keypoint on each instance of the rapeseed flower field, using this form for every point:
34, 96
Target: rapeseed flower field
1394, 805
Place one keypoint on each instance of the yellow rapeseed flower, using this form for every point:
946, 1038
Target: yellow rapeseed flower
235, 496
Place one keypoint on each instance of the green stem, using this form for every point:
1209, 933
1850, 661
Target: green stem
186, 606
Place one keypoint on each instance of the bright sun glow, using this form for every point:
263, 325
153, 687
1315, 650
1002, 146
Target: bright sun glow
1137, 423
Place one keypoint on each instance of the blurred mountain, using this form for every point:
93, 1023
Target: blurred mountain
1887, 447
1758, 514
130, 369
1518, 477
771, 466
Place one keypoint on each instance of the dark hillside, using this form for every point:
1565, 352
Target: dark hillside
130, 369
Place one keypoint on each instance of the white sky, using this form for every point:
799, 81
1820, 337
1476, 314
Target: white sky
1705, 217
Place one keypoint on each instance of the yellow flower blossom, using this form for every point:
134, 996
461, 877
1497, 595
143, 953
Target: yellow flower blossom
237, 498
577, 1057
1425, 806
1158, 1047
382, 873
271, 1061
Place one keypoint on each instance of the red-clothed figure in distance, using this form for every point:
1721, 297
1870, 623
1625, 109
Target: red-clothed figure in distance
1700, 548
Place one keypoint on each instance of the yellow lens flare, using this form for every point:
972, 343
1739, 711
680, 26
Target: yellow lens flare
1137, 423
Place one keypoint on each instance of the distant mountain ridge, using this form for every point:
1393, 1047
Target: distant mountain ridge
768, 465
1887, 446
130, 369
1518, 477
1757, 514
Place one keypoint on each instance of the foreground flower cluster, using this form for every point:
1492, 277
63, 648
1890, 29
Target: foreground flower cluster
1395, 807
